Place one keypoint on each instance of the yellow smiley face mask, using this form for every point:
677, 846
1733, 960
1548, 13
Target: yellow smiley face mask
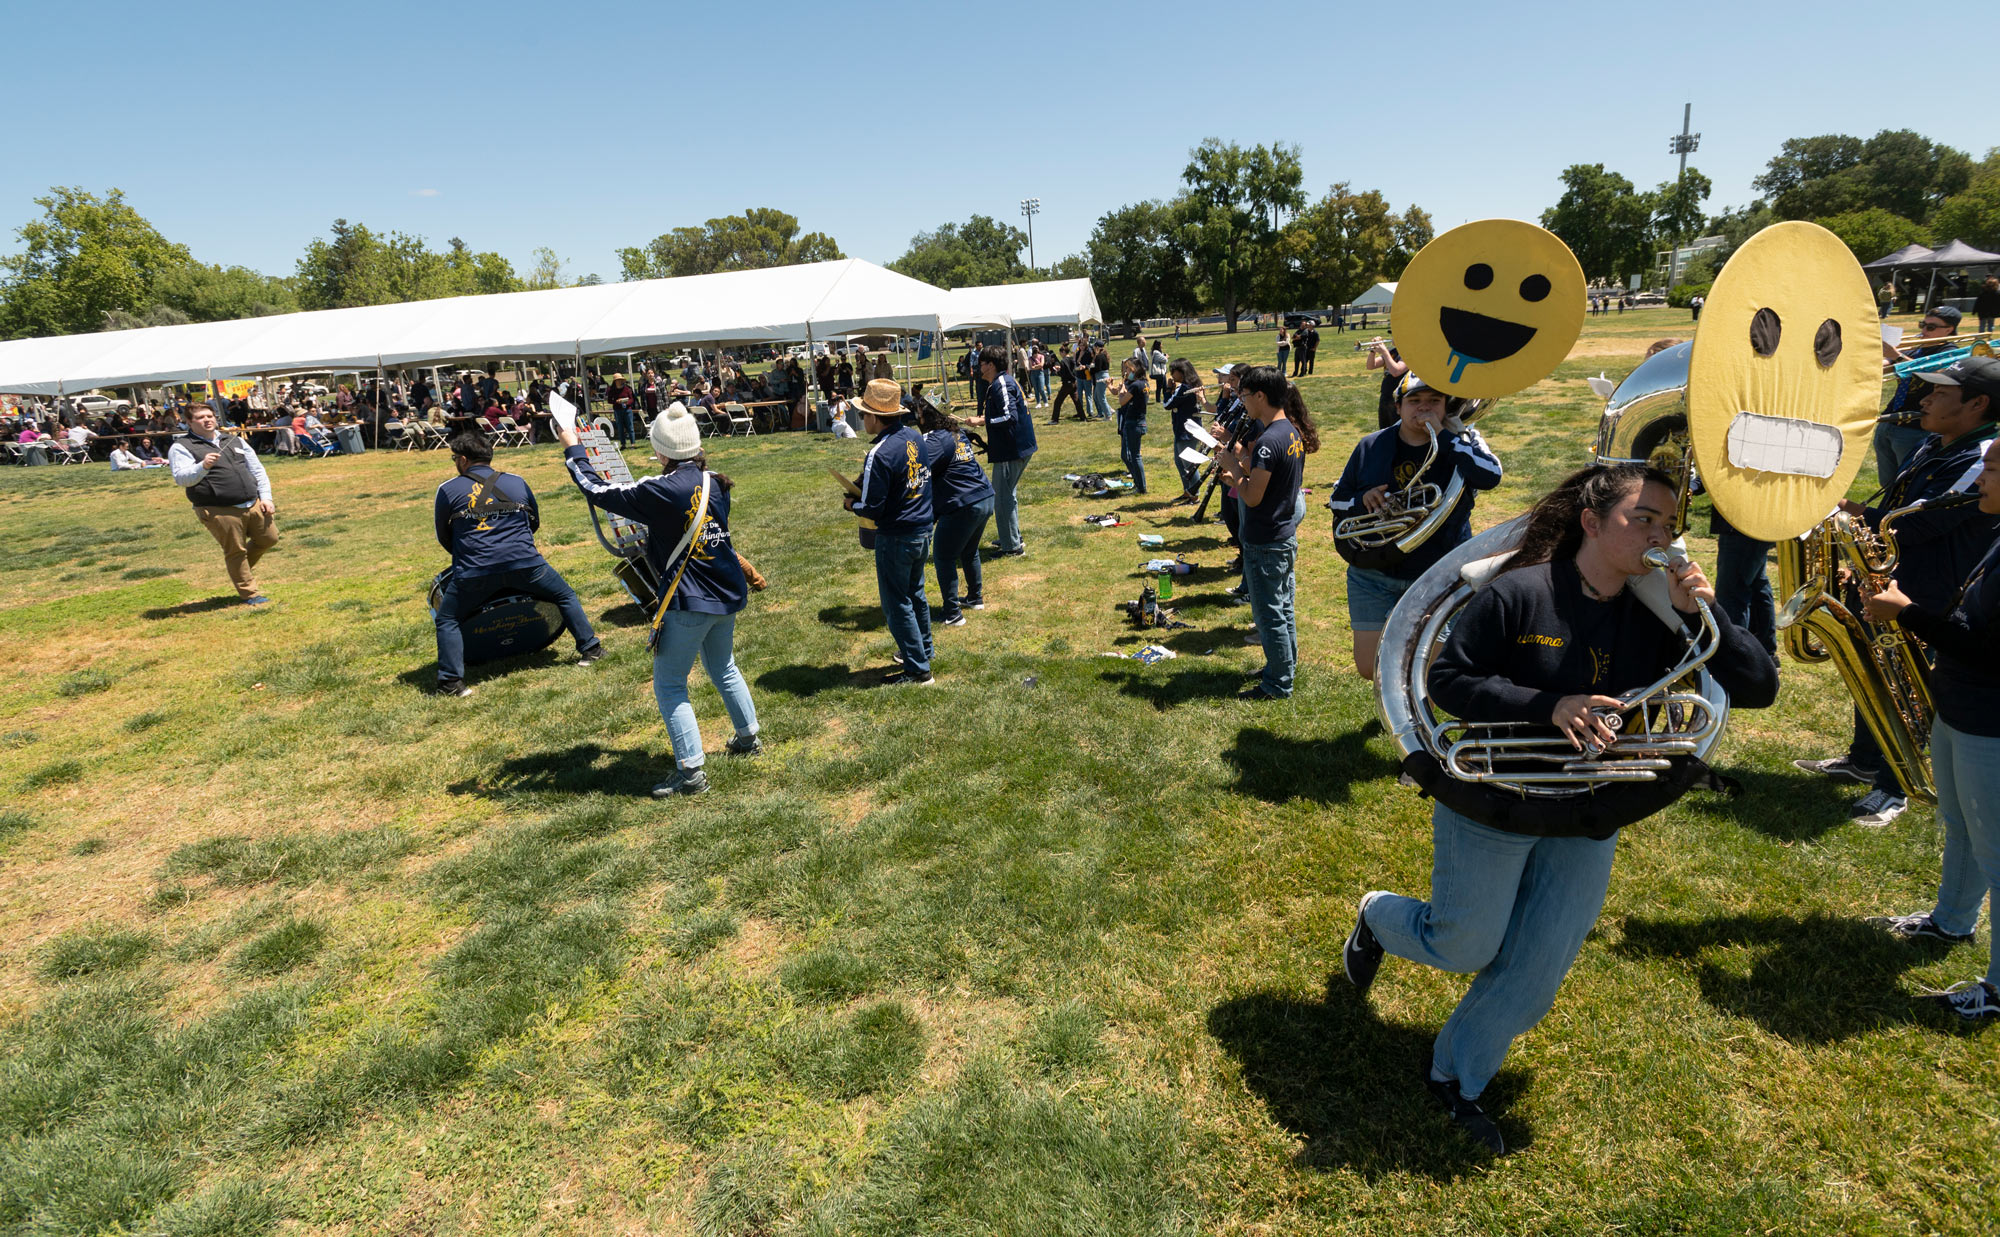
1783, 379
1489, 308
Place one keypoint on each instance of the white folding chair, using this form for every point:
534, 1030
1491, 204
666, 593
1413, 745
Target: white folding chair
509, 434
739, 419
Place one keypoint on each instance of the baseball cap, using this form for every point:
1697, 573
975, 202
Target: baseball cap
1973, 375
1410, 385
1950, 313
1226, 370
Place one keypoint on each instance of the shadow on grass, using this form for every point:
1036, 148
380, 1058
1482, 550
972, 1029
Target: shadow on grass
1278, 769
853, 618
424, 677
627, 615
1351, 1086
580, 769
1211, 601
1813, 980
1165, 691
186, 608
806, 681
1789, 806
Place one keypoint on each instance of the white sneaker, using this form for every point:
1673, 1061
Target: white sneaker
1878, 808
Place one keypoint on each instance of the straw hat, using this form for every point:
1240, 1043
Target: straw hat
884, 398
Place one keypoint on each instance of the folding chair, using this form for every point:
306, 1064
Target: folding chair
509, 434
739, 419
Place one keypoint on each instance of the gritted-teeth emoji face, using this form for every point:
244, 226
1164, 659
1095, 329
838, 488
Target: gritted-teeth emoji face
1783, 380
1489, 308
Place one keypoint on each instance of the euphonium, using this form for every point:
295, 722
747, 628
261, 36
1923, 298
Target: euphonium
1879, 663
1528, 778
1410, 516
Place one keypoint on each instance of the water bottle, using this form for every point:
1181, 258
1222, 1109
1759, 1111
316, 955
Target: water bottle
1166, 586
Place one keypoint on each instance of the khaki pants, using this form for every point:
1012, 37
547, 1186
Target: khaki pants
244, 533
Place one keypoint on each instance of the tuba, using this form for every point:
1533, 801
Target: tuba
1528, 778
1409, 516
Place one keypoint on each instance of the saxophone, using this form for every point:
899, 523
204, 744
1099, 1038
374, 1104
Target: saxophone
1882, 666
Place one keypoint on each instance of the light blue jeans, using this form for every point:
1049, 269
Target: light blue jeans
899, 581
1512, 908
1267, 577
685, 635
1006, 477
1098, 389
1967, 768
1132, 432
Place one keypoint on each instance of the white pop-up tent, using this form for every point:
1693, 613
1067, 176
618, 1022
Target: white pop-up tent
1053, 302
1381, 296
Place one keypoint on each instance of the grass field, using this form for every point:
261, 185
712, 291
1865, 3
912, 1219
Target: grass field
288, 946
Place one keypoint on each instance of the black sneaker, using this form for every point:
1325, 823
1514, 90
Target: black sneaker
1970, 999
745, 745
1466, 1114
1362, 956
592, 655
685, 781
452, 687
1919, 927
1840, 768
973, 603
956, 620
1260, 692
909, 678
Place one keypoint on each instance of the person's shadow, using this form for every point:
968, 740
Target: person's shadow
1789, 806
806, 681
1814, 979
1163, 692
1351, 1086
854, 618
1278, 769
186, 608
575, 770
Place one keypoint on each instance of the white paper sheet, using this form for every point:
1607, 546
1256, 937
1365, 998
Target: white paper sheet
1200, 435
563, 411
1194, 456
1892, 335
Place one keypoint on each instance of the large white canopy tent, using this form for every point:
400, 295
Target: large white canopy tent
1054, 302
820, 299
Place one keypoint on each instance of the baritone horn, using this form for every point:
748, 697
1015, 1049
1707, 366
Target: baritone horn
1408, 517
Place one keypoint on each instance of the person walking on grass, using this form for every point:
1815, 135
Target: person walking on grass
1010, 444
231, 495
1268, 475
897, 496
487, 520
962, 498
686, 512
1066, 367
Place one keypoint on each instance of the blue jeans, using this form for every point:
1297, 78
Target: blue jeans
1894, 445
956, 548
1512, 908
1040, 380
463, 596
1267, 577
1372, 596
1098, 387
1131, 432
1006, 475
899, 579
1967, 768
623, 419
684, 635
1190, 473
1743, 586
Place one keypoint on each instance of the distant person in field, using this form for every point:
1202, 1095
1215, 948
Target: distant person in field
1010, 444
231, 496
486, 520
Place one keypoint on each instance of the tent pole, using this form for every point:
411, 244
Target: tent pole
1930, 291
812, 382
582, 387
381, 397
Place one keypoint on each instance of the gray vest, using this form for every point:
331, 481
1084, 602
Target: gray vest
230, 483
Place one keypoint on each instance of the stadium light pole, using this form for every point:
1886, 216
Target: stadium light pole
1031, 207
1681, 144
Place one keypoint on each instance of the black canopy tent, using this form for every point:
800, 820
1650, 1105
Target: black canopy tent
1953, 256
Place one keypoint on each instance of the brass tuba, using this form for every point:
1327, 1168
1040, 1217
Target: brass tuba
1409, 516
1526, 777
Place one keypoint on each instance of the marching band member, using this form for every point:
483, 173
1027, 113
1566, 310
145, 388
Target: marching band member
1183, 404
1936, 549
1268, 474
896, 494
1387, 461
1965, 752
963, 499
709, 586
1554, 637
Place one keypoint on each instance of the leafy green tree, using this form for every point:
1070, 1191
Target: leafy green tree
1897, 170
1137, 265
1973, 215
1075, 266
83, 258
359, 267
1604, 221
1910, 175
1737, 224
546, 273
976, 253
1230, 215
1340, 245
204, 292
1813, 176
1677, 209
1874, 232
759, 237
158, 315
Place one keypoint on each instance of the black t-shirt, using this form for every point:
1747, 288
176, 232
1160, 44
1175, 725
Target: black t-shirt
1385, 404
1282, 453
1408, 460
1184, 405
1134, 409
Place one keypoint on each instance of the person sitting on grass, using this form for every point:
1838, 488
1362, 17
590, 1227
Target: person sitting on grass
701, 576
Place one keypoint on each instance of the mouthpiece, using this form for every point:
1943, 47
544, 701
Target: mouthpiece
1657, 559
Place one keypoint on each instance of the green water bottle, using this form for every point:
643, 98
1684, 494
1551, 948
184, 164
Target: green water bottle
1166, 586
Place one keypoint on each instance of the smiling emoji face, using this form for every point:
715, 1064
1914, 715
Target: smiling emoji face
1489, 308
1783, 380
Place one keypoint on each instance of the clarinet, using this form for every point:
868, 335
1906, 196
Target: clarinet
1211, 476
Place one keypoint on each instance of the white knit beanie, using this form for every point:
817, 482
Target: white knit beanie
675, 434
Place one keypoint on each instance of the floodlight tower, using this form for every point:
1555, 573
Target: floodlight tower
1031, 207
1682, 144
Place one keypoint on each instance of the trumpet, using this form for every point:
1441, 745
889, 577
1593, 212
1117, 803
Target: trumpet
1377, 342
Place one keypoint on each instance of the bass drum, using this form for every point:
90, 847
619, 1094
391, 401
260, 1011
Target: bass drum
506, 625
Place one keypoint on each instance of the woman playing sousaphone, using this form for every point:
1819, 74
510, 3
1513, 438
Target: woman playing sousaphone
1552, 640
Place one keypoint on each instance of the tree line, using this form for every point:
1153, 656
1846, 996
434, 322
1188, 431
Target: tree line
1240, 233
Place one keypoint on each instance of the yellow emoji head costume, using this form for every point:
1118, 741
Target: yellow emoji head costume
1489, 308
1783, 380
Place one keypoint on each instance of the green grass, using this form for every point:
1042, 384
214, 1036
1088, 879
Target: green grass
295, 947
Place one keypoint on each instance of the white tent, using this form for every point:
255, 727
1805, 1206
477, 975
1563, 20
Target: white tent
1381, 294
1053, 302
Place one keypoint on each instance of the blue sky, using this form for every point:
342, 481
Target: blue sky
243, 130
